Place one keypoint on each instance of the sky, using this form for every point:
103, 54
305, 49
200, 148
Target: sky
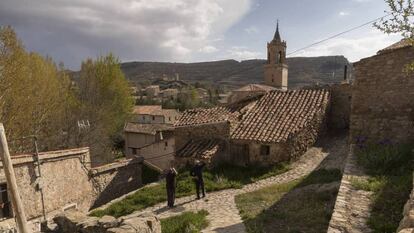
70, 31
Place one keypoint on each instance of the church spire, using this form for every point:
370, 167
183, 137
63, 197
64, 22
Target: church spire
276, 37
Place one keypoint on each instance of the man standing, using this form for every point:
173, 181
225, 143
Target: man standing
197, 173
170, 175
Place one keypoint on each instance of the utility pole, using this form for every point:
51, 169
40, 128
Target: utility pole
11, 182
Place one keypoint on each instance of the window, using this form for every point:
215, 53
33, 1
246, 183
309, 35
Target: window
5, 210
166, 144
134, 151
264, 150
169, 118
153, 118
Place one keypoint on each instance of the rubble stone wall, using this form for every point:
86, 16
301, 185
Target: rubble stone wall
68, 181
382, 99
340, 106
298, 144
114, 180
64, 179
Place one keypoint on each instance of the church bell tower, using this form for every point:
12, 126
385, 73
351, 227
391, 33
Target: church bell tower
276, 69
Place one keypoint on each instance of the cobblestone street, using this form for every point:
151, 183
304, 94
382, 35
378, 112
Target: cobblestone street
223, 214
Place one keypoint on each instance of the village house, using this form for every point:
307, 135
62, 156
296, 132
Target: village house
169, 94
266, 126
152, 91
151, 134
154, 142
154, 114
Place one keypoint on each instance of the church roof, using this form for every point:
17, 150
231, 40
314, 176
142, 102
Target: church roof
277, 37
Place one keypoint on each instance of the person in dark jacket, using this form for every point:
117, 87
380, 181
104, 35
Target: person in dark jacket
197, 173
171, 183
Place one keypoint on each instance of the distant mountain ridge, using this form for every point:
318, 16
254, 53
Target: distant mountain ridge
303, 71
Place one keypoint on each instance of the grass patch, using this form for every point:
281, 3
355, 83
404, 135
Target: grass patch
390, 168
372, 184
188, 222
290, 207
223, 177
149, 175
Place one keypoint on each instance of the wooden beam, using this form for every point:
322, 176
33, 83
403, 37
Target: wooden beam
11, 183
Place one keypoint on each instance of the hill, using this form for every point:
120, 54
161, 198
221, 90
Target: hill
303, 71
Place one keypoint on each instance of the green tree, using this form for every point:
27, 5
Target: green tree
105, 102
401, 14
33, 95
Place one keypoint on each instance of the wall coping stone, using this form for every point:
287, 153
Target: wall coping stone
116, 165
50, 155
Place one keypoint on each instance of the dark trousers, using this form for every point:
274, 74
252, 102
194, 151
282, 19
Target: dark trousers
200, 185
170, 196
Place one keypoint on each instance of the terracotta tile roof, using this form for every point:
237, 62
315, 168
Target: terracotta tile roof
280, 114
146, 128
153, 110
213, 115
200, 148
400, 44
256, 87
146, 109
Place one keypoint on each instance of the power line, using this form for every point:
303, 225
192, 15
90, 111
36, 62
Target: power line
339, 34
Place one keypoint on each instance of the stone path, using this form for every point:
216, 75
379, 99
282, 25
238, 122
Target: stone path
223, 214
352, 207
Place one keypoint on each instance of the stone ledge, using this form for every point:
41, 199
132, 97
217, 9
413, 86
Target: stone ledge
50, 155
116, 165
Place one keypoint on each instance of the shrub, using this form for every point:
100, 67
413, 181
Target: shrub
382, 159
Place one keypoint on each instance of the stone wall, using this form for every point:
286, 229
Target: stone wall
298, 144
340, 107
220, 130
245, 153
114, 180
68, 182
64, 180
382, 99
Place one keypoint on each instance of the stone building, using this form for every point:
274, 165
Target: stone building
264, 130
276, 69
382, 97
154, 114
263, 124
169, 94
67, 182
152, 91
154, 142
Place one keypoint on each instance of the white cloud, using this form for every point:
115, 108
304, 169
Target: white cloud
251, 30
352, 48
242, 53
132, 29
208, 49
343, 13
